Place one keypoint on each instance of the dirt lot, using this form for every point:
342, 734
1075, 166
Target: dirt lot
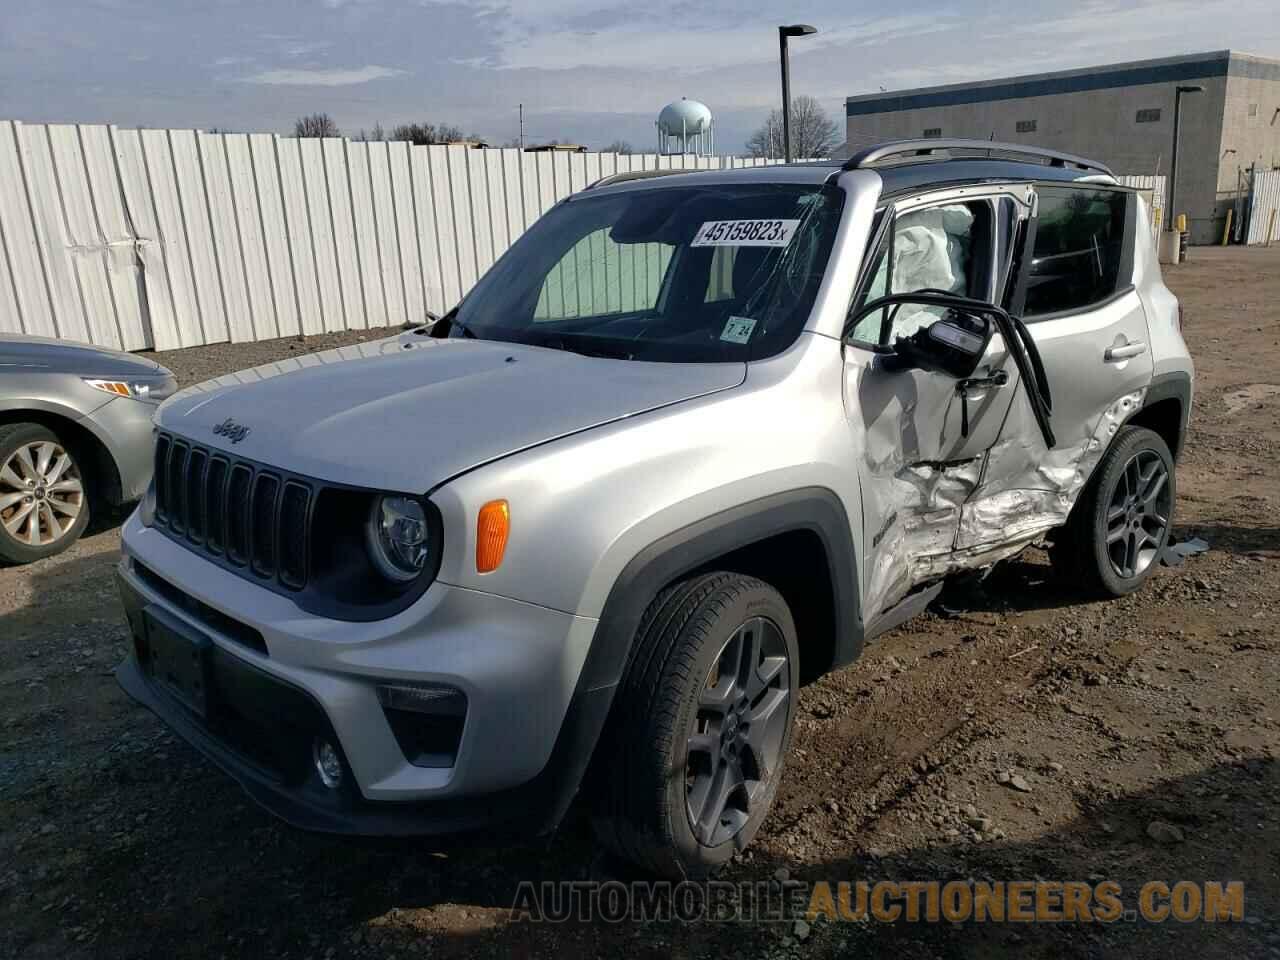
117, 840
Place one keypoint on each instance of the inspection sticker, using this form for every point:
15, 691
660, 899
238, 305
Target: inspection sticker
745, 233
737, 330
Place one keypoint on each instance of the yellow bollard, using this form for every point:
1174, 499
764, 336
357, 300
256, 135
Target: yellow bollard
1226, 231
1271, 226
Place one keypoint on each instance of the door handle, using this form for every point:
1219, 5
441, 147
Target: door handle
1133, 349
998, 379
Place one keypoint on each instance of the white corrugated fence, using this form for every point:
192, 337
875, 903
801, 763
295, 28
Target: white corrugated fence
161, 239
1264, 207
1152, 189
174, 238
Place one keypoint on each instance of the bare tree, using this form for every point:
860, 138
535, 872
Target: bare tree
618, 146
425, 133
375, 135
316, 125
813, 134
448, 133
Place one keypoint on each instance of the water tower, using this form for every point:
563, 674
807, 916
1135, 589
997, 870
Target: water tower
685, 126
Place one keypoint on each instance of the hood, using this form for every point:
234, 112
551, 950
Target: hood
408, 413
66, 356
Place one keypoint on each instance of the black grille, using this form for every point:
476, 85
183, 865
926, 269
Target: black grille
253, 517
215, 493
197, 461
177, 470
263, 535
293, 534
237, 513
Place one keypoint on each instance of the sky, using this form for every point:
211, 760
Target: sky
587, 71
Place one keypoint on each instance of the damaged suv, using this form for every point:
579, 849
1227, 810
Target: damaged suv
690, 443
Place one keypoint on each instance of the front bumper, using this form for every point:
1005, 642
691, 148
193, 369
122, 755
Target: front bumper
292, 677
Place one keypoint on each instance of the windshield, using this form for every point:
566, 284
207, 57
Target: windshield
689, 274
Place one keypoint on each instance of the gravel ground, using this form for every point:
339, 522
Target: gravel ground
196, 364
1030, 734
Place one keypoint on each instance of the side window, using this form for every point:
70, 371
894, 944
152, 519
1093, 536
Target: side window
1078, 249
945, 248
598, 277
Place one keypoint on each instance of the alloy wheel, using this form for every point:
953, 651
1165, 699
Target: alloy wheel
1138, 514
41, 493
738, 731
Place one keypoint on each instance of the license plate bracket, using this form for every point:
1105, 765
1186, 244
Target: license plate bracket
178, 658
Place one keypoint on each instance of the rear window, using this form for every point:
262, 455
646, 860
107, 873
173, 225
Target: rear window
1079, 248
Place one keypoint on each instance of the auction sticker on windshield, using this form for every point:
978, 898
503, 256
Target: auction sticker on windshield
745, 233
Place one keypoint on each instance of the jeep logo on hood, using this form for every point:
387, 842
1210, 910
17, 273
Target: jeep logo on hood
233, 431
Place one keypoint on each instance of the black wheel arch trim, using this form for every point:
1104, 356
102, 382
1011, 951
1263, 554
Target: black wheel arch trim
1175, 385
813, 509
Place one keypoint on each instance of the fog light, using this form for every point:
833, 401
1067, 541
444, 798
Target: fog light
328, 763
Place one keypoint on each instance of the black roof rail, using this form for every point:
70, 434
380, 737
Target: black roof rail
637, 175
938, 149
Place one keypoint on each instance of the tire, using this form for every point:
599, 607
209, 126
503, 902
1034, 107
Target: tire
44, 499
667, 751
1120, 525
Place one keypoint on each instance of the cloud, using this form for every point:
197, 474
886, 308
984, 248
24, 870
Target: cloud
304, 48
321, 78
572, 34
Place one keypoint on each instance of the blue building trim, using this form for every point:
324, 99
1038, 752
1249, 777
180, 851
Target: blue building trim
1076, 83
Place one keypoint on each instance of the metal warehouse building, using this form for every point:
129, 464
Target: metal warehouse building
1121, 114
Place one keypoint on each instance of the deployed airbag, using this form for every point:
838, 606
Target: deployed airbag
930, 252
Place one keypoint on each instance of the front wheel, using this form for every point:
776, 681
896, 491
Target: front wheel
43, 500
691, 761
1118, 530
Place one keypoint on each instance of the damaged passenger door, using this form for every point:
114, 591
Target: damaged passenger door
1075, 293
921, 431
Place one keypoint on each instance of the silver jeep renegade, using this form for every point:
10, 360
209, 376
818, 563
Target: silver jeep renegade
690, 443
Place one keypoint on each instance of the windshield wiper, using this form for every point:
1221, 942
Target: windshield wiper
570, 343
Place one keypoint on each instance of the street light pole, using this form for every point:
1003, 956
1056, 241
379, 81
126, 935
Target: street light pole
794, 30
1173, 162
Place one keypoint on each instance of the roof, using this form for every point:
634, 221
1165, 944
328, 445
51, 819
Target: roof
897, 178
908, 177
1218, 63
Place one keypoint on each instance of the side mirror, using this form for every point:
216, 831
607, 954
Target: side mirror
949, 334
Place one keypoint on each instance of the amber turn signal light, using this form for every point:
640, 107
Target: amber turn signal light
491, 535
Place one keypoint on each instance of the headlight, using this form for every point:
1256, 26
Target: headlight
146, 389
398, 538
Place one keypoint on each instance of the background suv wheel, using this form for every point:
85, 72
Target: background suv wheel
44, 503
690, 763
1121, 523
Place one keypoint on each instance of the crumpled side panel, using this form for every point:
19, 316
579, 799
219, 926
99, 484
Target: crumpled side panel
965, 516
927, 505
1027, 490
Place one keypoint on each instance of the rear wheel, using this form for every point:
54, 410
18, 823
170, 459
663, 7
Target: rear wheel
691, 761
1118, 530
44, 505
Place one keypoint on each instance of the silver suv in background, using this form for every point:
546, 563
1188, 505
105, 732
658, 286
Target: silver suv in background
691, 442
75, 432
